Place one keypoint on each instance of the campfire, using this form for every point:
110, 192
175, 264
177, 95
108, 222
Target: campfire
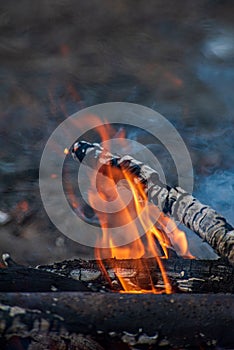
110, 302
145, 185
114, 184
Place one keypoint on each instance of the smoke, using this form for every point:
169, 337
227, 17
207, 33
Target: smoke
217, 190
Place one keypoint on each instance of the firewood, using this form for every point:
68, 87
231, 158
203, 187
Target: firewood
17, 278
185, 275
42, 329
179, 320
182, 206
84, 320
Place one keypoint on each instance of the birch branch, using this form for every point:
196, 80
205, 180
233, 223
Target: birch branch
182, 206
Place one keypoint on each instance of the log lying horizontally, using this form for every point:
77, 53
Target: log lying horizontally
34, 329
182, 206
185, 275
84, 320
191, 321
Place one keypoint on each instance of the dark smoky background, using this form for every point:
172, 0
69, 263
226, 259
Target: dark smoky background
57, 57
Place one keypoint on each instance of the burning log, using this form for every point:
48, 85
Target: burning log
182, 206
186, 275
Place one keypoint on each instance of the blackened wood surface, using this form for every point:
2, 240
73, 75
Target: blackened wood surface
186, 275
26, 329
23, 279
181, 320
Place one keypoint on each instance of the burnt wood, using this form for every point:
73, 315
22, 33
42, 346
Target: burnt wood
185, 275
182, 206
111, 320
25, 279
151, 321
34, 329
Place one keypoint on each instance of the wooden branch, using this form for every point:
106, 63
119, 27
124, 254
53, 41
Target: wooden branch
182, 206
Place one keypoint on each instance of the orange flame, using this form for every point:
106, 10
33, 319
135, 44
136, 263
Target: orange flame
156, 239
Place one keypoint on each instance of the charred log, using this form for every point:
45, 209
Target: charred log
23, 328
144, 320
182, 206
25, 279
96, 321
185, 275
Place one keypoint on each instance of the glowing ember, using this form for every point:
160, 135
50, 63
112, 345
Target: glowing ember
158, 239
23, 205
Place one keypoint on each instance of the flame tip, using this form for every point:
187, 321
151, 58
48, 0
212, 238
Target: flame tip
66, 151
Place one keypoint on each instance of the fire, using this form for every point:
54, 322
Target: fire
158, 239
